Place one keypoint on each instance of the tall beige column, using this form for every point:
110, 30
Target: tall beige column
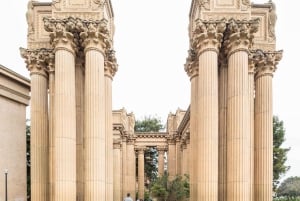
184, 159
161, 161
141, 172
79, 87
65, 109
178, 157
251, 72
222, 125
206, 42
131, 167
117, 191
238, 41
51, 126
124, 165
171, 158
263, 146
110, 68
188, 153
95, 137
35, 60
191, 68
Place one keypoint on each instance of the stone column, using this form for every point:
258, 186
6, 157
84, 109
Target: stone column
35, 60
171, 158
192, 68
178, 154
95, 136
251, 65
51, 126
240, 34
206, 42
79, 87
117, 191
131, 167
110, 68
124, 166
264, 126
141, 172
161, 161
184, 159
222, 125
188, 153
65, 109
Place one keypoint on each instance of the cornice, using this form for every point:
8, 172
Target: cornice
151, 135
184, 121
15, 76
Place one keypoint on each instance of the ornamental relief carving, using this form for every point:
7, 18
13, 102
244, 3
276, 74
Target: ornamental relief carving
110, 63
267, 62
272, 21
204, 4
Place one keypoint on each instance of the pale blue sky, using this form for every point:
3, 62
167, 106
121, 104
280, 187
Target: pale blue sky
151, 44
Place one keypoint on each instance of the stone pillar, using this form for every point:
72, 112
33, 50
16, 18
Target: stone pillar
79, 87
206, 42
191, 68
117, 191
141, 172
36, 64
131, 167
95, 136
51, 126
178, 157
171, 158
222, 126
264, 126
110, 68
251, 65
188, 153
184, 159
240, 34
161, 160
124, 166
65, 109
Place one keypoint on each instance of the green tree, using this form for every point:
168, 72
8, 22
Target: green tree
279, 153
148, 124
289, 188
175, 190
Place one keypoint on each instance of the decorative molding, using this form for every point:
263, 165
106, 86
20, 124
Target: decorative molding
110, 64
267, 63
272, 21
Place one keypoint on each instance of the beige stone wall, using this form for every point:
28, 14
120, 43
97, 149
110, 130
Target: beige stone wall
14, 91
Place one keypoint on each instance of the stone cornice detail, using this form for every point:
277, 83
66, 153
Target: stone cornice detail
38, 60
191, 66
117, 144
239, 35
162, 149
131, 140
140, 150
151, 135
61, 33
208, 35
110, 64
267, 63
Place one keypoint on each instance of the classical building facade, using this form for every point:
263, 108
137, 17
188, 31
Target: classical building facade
223, 140
14, 97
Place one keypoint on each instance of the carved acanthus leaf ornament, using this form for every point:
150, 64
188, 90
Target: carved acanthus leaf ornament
267, 62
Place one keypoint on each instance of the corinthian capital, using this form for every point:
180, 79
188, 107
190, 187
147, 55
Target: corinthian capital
267, 63
240, 34
110, 64
38, 60
191, 66
94, 33
61, 31
208, 35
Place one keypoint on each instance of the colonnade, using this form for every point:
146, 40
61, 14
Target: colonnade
72, 83
231, 112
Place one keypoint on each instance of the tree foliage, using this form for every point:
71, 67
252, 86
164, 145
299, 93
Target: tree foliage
289, 188
148, 124
279, 153
177, 189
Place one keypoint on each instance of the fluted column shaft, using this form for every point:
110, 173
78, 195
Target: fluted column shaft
189, 158
161, 162
184, 159
263, 156
171, 159
222, 127
65, 120
39, 135
79, 87
124, 166
131, 169
178, 157
141, 173
94, 122
117, 191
